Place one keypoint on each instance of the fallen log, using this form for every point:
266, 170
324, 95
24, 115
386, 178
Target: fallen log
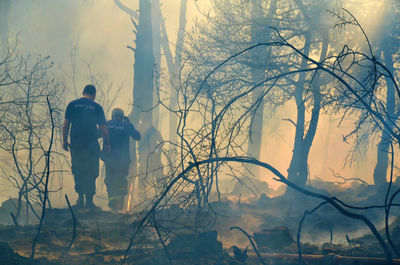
324, 259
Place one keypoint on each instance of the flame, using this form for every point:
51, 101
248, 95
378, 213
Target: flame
128, 205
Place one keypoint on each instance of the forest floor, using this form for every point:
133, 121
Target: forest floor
102, 237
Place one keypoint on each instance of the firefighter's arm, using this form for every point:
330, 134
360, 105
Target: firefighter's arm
135, 134
65, 132
106, 138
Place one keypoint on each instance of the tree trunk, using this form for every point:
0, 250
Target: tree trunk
143, 74
174, 74
156, 27
258, 34
144, 63
298, 169
174, 66
380, 171
257, 74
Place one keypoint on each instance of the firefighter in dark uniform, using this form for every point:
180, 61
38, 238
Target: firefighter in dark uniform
118, 159
85, 117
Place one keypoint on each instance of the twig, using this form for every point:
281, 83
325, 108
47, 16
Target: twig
306, 213
47, 180
161, 240
346, 179
130, 12
291, 121
15, 221
251, 242
74, 223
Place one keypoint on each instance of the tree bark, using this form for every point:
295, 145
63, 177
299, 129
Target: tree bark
143, 69
156, 28
258, 34
380, 170
174, 69
144, 63
298, 169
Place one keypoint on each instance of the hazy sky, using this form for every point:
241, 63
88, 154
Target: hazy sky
98, 28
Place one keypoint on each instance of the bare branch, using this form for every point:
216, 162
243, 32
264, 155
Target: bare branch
127, 10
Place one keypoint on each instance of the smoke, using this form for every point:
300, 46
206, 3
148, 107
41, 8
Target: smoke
97, 31
44, 27
329, 151
101, 31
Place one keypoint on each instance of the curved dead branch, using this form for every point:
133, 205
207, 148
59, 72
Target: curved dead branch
280, 178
